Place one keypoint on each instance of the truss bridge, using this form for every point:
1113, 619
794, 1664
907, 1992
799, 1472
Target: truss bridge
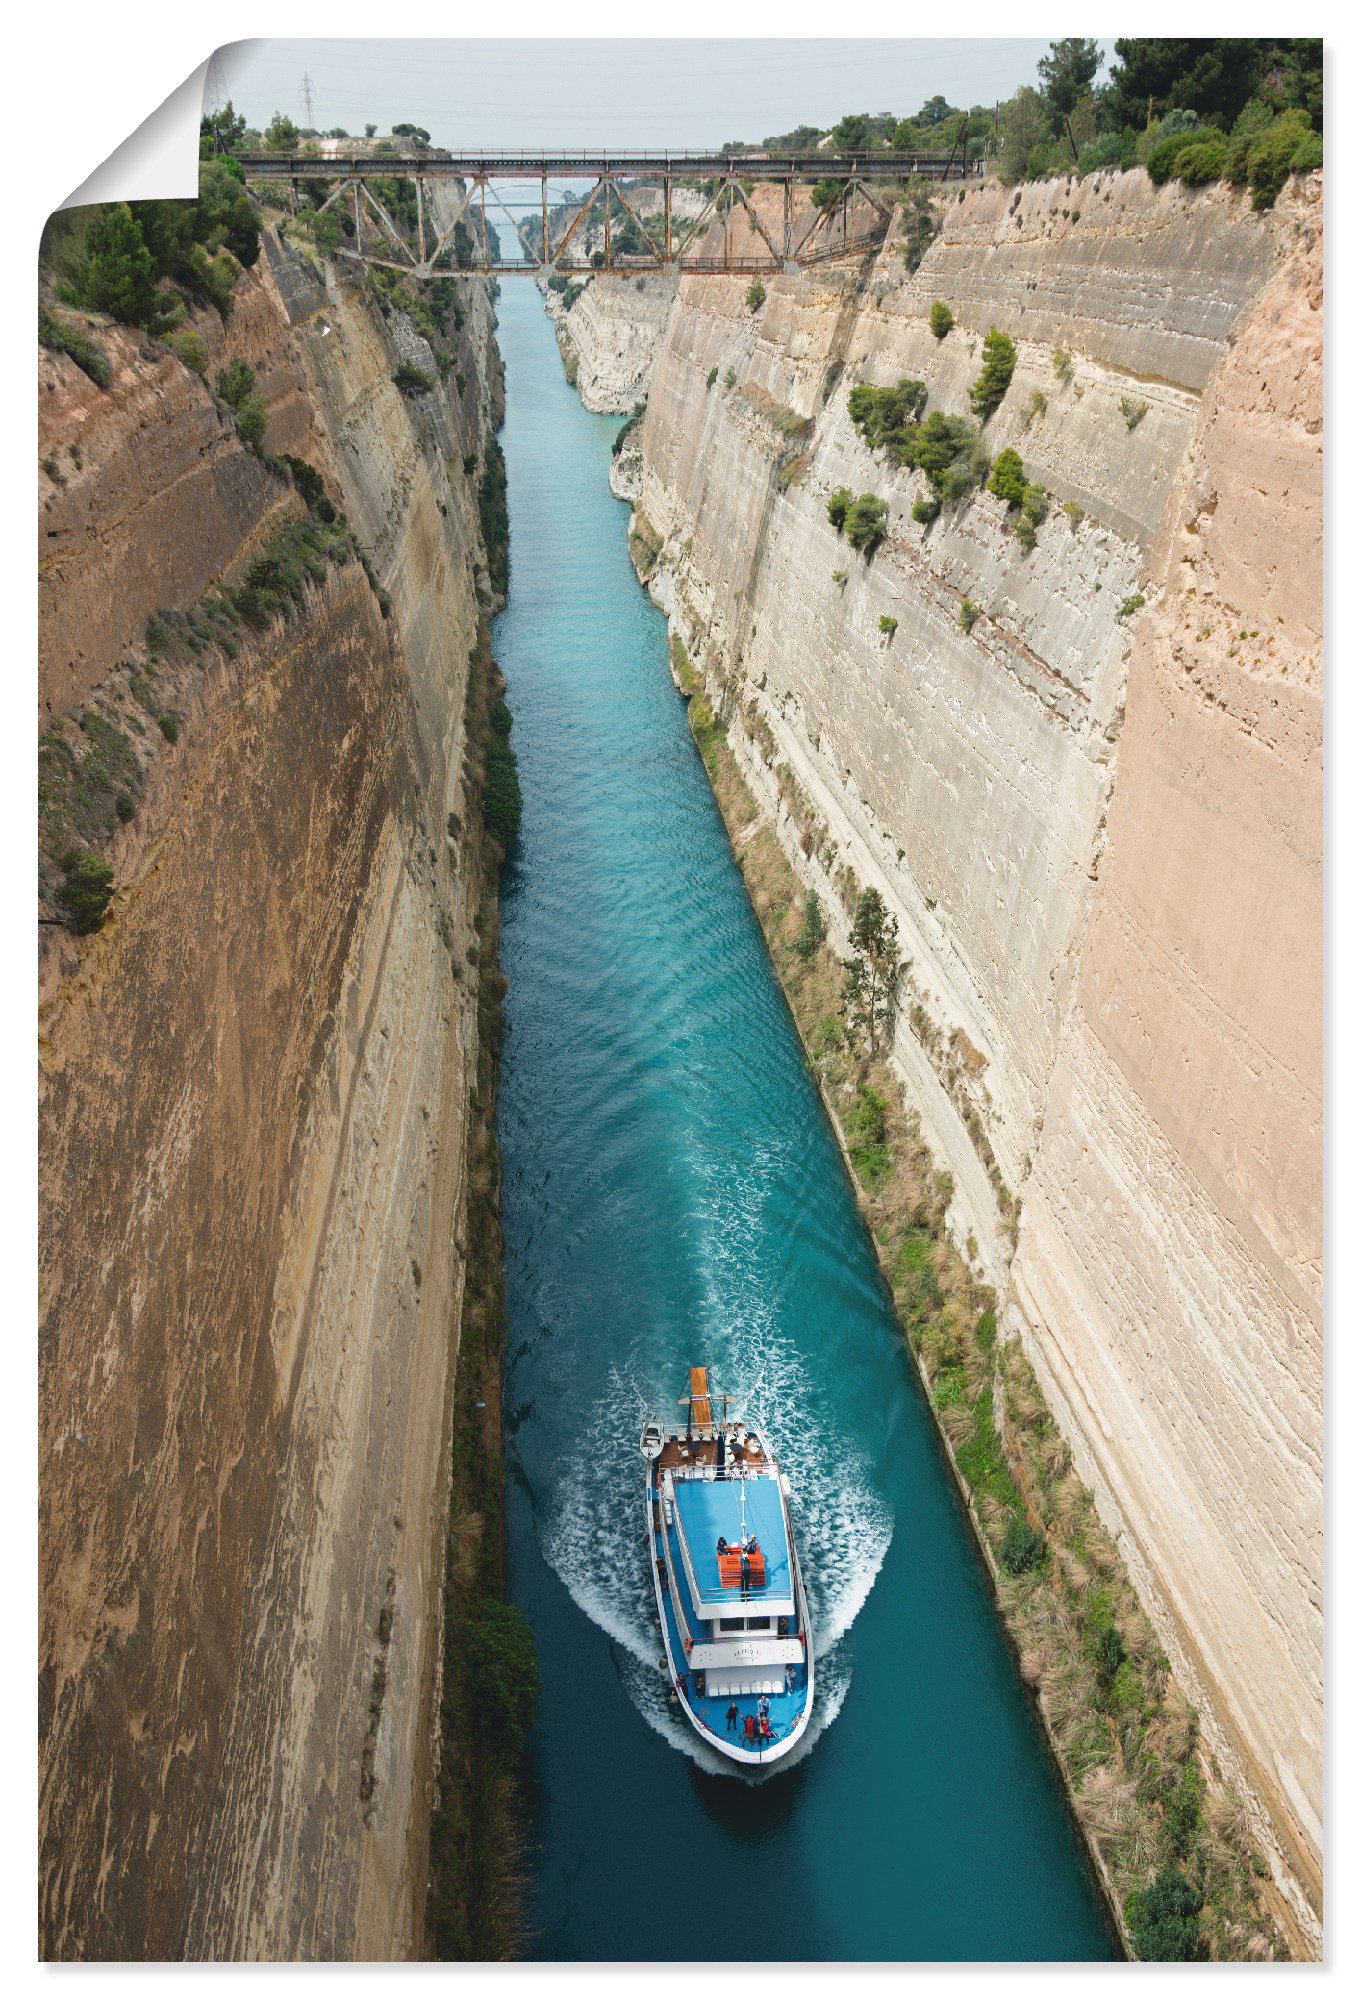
639, 212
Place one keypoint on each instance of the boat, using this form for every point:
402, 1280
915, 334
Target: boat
730, 1599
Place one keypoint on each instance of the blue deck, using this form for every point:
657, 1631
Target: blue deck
786, 1707
709, 1508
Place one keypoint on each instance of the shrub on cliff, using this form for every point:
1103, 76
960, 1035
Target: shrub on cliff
885, 416
494, 516
236, 387
1160, 165
942, 319
756, 295
925, 511
814, 927
413, 381
119, 276
839, 506
867, 1138
867, 524
1008, 478
1162, 1919
84, 894
502, 800
948, 450
63, 338
999, 364
503, 1679
1266, 158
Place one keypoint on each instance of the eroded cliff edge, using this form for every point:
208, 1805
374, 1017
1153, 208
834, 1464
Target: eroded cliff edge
256, 1083
1100, 836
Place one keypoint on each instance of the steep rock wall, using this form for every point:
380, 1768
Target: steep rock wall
255, 1095
610, 338
1099, 835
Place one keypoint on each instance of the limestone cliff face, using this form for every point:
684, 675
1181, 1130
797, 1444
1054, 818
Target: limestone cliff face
611, 336
255, 1084
1100, 835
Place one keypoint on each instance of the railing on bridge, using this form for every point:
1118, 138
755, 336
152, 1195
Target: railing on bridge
729, 234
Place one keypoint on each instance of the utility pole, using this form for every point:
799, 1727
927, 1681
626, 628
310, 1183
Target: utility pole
309, 116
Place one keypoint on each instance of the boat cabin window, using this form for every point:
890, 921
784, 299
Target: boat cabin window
744, 1624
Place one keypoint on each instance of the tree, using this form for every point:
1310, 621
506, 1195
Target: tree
853, 134
999, 364
866, 524
224, 130
84, 895
1008, 478
1066, 74
120, 277
814, 927
869, 990
1025, 127
942, 319
283, 135
1213, 76
1162, 1919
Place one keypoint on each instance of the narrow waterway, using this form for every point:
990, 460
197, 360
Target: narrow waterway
673, 1196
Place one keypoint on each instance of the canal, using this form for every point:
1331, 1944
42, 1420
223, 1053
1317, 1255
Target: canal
672, 1195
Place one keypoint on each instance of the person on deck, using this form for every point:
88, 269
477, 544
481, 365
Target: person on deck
731, 1718
763, 1707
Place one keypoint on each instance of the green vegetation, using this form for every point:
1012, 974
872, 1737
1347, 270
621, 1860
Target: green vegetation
883, 416
63, 338
756, 295
1034, 507
942, 319
925, 511
631, 423
866, 1129
1132, 411
413, 381
1008, 478
1130, 605
839, 506
1023, 1547
711, 378
85, 893
501, 800
869, 989
1163, 1919
490, 1680
888, 625
236, 388
999, 364
1075, 514
494, 516
814, 927
921, 225
866, 524
969, 614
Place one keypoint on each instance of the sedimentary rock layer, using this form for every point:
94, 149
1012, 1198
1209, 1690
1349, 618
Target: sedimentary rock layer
255, 1092
1097, 822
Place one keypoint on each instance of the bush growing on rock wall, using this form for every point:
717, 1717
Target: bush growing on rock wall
969, 614
925, 511
413, 381
1265, 159
1129, 606
886, 416
866, 1129
1133, 411
1162, 1919
1063, 365
888, 626
63, 338
494, 516
1008, 478
920, 224
187, 346
501, 800
711, 378
250, 412
84, 894
839, 506
756, 295
942, 319
999, 365
119, 277
867, 524
814, 927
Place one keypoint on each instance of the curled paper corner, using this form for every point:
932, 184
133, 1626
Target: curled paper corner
159, 161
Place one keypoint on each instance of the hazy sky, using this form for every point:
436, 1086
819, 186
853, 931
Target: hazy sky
615, 94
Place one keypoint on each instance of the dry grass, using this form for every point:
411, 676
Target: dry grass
1122, 1740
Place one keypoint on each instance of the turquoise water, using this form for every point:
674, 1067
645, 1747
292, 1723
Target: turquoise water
673, 1196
